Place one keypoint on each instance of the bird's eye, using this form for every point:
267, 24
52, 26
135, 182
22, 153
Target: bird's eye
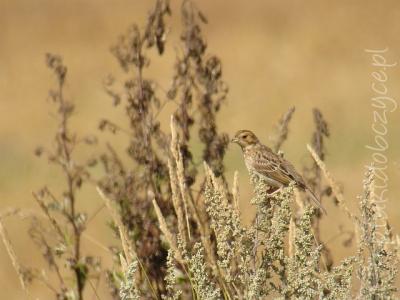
245, 136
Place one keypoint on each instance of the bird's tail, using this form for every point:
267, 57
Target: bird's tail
315, 200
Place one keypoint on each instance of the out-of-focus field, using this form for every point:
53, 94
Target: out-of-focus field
275, 53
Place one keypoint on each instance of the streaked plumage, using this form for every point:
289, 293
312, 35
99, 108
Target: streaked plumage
274, 169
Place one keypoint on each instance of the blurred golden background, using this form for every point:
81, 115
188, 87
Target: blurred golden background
275, 54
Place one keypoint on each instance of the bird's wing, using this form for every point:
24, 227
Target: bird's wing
292, 173
269, 164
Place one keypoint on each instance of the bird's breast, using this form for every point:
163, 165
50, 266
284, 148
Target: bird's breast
248, 159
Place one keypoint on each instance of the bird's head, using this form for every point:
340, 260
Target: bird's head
245, 138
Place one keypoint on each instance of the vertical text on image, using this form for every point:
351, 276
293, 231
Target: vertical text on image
382, 104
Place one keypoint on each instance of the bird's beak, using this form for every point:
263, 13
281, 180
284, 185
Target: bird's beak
234, 140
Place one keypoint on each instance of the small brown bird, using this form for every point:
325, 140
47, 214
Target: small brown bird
274, 169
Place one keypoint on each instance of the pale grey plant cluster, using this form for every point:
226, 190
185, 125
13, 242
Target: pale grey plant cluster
171, 279
377, 258
128, 289
198, 270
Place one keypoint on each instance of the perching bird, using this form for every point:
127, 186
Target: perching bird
274, 169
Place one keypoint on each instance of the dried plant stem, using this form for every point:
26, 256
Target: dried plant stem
235, 192
14, 259
97, 243
335, 187
292, 237
299, 201
65, 147
49, 216
127, 246
77, 237
176, 200
94, 288
180, 173
186, 199
168, 235
282, 129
